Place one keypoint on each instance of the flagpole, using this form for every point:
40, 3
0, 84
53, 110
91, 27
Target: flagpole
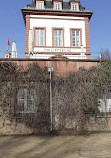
8, 44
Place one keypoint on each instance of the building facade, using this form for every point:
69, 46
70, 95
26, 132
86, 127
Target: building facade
57, 28
57, 37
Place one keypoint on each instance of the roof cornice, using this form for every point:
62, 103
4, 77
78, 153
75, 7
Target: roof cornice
27, 11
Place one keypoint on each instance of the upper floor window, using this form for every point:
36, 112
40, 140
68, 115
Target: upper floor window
39, 5
74, 7
57, 6
58, 37
75, 36
39, 37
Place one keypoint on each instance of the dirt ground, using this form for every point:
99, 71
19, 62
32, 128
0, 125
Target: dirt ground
80, 146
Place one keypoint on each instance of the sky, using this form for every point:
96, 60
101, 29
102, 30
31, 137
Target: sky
12, 26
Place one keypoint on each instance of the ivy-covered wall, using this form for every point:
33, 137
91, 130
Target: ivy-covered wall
25, 99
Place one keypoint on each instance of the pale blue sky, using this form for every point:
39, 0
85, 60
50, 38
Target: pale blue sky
12, 24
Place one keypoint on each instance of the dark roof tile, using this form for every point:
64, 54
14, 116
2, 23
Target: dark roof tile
48, 5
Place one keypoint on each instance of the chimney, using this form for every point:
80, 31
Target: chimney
7, 54
14, 50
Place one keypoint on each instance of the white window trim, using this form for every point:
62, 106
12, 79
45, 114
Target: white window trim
56, 4
25, 101
40, 4
74, 7
76, 38
58, 38
39, 41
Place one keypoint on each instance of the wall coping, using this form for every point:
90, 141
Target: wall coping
66, 60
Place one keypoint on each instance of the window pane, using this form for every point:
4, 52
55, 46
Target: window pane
57, 6
74, 7
39, 37
58, 38
20, 94
26, 100
39, 5
20, 105
75, 38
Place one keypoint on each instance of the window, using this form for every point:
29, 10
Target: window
104, 97
58, 38
39, 37
74, 7
26, 100
57, 6
75, 34
39, 5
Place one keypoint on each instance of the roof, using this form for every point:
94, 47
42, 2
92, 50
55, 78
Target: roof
49, 5
66, 11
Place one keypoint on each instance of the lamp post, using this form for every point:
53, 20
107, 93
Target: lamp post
50, 70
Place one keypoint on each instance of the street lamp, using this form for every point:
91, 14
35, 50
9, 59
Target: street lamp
50, 70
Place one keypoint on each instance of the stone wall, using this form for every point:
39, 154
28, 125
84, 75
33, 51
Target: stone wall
14, 126
98, 124
10, 126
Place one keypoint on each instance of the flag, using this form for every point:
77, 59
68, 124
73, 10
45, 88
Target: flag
9, 43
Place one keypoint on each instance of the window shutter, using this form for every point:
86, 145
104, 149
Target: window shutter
30, 40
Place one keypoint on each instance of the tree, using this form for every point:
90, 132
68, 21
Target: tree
104, 54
